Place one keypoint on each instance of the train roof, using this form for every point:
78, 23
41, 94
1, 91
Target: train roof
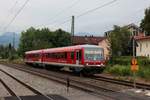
33, 51
62, 49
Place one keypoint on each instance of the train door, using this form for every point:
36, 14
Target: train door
78, 57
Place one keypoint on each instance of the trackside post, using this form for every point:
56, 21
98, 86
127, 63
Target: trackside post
68, 84
134, 69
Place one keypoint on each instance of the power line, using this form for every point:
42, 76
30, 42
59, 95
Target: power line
67, 8
14, 5
9, 12
54, 22
91, 10
5, 28
62, 11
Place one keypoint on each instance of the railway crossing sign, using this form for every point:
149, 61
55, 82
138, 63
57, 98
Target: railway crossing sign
134, 65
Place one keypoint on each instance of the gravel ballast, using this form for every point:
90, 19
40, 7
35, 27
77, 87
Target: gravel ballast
3, 91
16, 87
47, 86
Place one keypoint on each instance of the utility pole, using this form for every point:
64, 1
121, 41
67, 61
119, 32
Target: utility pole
13, 40
133, 47
72, 29
134, 74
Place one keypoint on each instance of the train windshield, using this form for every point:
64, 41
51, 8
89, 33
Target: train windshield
93, 54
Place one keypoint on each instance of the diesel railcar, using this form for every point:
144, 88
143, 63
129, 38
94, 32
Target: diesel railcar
88, 59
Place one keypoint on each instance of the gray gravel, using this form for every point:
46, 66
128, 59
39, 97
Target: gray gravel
3, 91
49, 87
19, 89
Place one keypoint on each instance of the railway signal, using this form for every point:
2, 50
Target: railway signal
134, 69
68, 84
134, 65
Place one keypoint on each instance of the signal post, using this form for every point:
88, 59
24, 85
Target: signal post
134, 69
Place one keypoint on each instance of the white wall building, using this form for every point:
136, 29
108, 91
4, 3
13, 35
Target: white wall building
143, 48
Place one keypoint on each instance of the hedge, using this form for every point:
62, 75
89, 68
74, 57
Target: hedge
126, 60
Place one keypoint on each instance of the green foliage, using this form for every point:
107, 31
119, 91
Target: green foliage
122, 70
126, 60
34, 39
145, 23
144, 72
119, 70
119, 40
7, 52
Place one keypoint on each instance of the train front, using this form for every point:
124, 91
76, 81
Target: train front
94, 60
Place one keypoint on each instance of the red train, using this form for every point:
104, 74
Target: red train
87, 59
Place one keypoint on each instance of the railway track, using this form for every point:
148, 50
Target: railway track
14, 95
116, 81
90, 88
122, 82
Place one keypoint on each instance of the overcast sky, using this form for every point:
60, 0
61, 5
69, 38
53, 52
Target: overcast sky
52, 13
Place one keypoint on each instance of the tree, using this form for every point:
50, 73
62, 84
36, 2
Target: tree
62, 38
7, 51
119, 41
34, 39
145, 23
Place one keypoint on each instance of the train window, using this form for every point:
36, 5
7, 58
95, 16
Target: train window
47, 55
56, 55
72, 55
36, 55
93, 54
78, 55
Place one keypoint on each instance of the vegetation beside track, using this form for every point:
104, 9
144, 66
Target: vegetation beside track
122, 72
121, 67
15, 61
125, 72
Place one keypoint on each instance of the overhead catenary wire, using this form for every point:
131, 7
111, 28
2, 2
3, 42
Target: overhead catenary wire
14, 5
94, 9
10, 11
89, 11
61, 12
11, 21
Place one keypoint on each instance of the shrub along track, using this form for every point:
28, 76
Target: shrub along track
121, 82
91, 88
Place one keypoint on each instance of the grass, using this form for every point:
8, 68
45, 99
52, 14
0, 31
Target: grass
122, 70
17, 61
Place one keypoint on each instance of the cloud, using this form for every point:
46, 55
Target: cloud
42, 12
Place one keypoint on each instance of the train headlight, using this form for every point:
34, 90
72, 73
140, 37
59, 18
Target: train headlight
102, 64
87, 64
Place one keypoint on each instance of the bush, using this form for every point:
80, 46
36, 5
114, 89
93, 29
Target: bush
126, 60
119, 70
144, 72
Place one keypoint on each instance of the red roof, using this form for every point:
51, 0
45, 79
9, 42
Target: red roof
78, 40
142, 38
61, 49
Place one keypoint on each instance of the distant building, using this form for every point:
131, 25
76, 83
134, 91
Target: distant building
143, 48
134, 29
105, 45
79, 40
101, 41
